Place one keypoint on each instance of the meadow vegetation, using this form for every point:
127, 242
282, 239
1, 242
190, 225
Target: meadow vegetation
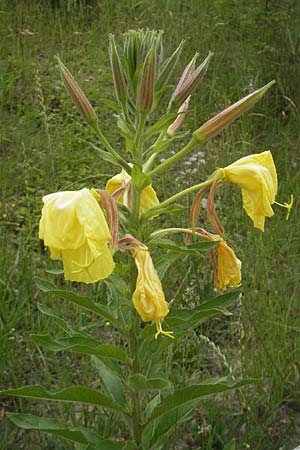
44, 148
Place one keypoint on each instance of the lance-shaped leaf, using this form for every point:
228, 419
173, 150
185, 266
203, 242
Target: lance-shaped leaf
162, 123
82, 103
111, 379
139, 382
80, 344
197, 392
117, 72
78, 435
85, 302
216, 124
74, 394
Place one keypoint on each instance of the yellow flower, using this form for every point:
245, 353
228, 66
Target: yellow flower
148, 297
148, 195
74, 228
229, 267
256, 176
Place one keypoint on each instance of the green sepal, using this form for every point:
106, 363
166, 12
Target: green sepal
79, 435
81, 344
74, 394
139, 382
85, 302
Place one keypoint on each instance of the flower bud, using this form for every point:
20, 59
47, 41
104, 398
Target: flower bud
79, 98
117, 71
179, 119
190, 83
216, 124
146, 93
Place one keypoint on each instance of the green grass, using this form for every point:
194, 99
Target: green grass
42, 150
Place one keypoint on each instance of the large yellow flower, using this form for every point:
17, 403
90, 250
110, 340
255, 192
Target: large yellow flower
74, 228
148, 298
229, 267
256, 176
148, 195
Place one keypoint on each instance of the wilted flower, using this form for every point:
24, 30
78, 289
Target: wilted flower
148, 298
148, 195
74, 228
256, 176
228, 271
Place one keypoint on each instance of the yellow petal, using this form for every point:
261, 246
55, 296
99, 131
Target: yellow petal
148, 199
148, 298
229, 267
81, 264
256, 176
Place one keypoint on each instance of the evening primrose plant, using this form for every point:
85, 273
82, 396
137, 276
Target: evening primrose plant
109, 233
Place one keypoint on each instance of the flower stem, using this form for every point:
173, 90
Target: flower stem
174, 158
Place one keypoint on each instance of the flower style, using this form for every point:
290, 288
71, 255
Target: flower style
74, 228
148, 195
228, 270
256, 176
148, 297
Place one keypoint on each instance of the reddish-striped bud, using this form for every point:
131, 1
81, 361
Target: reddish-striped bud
216, 124
146, 93
190, 83
82, 103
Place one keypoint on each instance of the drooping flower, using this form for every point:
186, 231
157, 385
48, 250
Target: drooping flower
74, 228
148, 195
228, 270
256, 176
148, 297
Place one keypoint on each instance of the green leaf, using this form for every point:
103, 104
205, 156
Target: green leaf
162, 123
111, 381
80, 435
85, 302
174, 209
157, 431
197, 392
81, 344
74, 394
164, 262
60, 322
196, 249
105, 155
138, 177
110, 103
139, 382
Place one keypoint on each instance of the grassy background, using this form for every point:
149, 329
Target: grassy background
42, 150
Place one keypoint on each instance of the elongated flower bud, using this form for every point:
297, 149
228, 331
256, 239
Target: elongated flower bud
179, 119
216, 124
191, 82
147, 80
168, 68
185, 75
78, 96
117, 71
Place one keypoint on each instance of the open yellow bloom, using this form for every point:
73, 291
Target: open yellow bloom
148, 195
74, 228
256, 176
148, 297
229, 267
